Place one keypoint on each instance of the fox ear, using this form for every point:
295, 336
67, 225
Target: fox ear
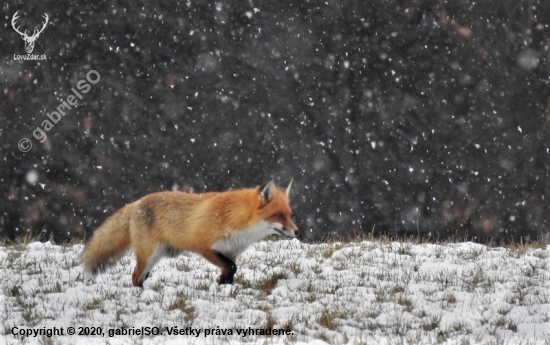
266, 192
288, 188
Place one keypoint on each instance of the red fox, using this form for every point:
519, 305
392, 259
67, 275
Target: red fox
219, 226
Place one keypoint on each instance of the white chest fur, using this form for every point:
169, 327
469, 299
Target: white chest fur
237, 241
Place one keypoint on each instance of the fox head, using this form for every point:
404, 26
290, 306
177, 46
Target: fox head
274, 209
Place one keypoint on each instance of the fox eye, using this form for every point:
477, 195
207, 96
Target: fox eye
280, 215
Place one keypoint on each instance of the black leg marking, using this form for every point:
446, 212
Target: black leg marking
140, 284
229, 270
170, 251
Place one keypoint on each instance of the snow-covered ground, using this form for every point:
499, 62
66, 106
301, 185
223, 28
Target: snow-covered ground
356, 293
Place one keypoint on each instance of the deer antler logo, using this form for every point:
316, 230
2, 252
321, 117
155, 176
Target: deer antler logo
29, 40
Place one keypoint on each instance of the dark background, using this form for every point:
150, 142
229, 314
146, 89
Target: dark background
393, 117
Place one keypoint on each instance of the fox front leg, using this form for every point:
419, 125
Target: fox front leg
227, 265
228, 270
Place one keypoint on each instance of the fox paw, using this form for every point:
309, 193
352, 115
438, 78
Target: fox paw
140, 283
225, 280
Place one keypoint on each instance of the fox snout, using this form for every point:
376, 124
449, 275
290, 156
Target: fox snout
287, 232
290, 229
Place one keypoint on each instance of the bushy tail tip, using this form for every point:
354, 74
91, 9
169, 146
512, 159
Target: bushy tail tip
108, 243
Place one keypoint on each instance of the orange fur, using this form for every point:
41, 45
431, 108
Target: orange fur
216, 225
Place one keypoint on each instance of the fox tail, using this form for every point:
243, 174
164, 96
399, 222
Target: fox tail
109, 242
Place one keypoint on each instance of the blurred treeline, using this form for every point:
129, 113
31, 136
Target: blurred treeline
425, 118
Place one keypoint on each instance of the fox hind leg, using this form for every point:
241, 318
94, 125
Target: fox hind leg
147, 255
141, 261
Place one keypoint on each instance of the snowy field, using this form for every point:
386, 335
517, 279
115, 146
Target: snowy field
356, 293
